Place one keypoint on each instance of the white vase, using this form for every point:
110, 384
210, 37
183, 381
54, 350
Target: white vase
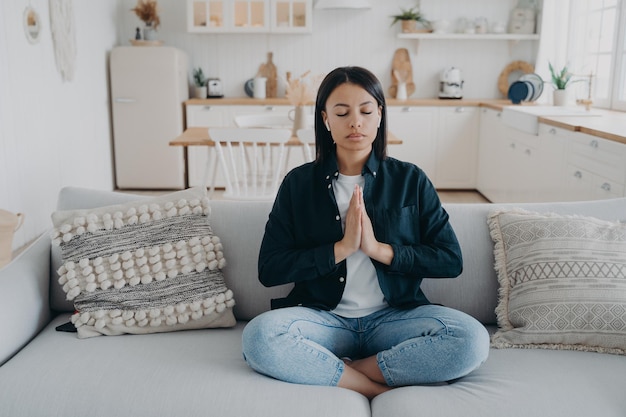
149, 33
560, 97
200, 92
401, 93
298, 116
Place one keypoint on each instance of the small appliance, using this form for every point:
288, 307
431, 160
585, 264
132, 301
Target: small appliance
216, 88
451, 84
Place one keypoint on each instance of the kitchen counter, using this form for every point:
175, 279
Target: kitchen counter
281, 101
611, 125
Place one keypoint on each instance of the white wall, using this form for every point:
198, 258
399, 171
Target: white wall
52, 133
347, 37
55, 133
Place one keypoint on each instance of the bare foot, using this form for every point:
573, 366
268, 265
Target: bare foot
369, 367
357, 381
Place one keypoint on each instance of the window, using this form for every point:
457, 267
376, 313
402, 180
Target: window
597, 51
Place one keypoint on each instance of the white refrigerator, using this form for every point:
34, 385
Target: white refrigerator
148, 87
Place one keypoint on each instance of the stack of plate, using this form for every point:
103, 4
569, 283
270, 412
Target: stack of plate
528, 88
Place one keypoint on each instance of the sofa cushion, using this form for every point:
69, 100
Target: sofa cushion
143, 267
562, 281
520, 383
196, 373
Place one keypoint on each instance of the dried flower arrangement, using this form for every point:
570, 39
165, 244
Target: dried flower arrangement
148, 12
302, 90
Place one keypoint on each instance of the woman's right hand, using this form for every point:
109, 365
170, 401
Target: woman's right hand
352, 234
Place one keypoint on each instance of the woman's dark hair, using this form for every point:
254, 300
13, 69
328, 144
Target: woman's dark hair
324, 145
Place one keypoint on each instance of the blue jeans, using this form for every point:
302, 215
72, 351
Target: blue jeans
424, 345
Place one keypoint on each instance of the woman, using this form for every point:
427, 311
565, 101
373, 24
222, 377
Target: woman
356, 232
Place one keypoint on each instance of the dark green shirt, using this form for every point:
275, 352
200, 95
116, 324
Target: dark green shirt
304, 224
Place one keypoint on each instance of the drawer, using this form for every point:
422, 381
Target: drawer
613, 170
597, 186
552, 131
201, 116
600, 156
600, 149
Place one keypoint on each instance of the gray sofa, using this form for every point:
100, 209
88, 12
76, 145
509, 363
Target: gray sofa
202, 373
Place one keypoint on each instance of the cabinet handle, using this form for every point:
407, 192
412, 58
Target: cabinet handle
578, 174
606, 186
460, 109
512, 145
269, 108
206, 107
406, 109
594, 144
527, 152
499, 114
552, 131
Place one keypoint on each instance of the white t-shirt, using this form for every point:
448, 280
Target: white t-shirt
362, 295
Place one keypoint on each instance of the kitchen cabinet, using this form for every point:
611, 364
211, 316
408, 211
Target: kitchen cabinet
523, 159
416, 126
596, 168
491, 180
554, 146
442, 141
237, 110
457, 147
197, 156
515, 166
223, 16
291, 16
249, 16
554, 165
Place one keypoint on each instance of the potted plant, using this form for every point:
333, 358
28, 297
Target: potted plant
199, 80
410, 18
147, 11
560, 80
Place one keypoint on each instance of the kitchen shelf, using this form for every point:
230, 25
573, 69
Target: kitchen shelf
468, 37
513, 38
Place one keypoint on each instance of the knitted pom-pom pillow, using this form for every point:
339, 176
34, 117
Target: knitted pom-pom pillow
148, 266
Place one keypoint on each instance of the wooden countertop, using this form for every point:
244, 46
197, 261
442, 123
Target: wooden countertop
281, 101
611, 126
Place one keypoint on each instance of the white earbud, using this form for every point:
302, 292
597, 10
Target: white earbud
327, 125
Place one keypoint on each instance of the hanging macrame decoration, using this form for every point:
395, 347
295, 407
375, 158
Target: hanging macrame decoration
63, 37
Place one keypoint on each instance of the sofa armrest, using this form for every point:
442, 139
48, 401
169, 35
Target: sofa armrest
24, 297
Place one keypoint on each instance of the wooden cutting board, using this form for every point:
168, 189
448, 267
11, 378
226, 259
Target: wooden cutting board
401, 65
268, 70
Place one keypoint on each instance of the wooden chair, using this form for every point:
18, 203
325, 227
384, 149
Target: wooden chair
307, 137
252, 160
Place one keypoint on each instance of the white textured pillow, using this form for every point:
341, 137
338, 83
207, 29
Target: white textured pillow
562, 282
147, 266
